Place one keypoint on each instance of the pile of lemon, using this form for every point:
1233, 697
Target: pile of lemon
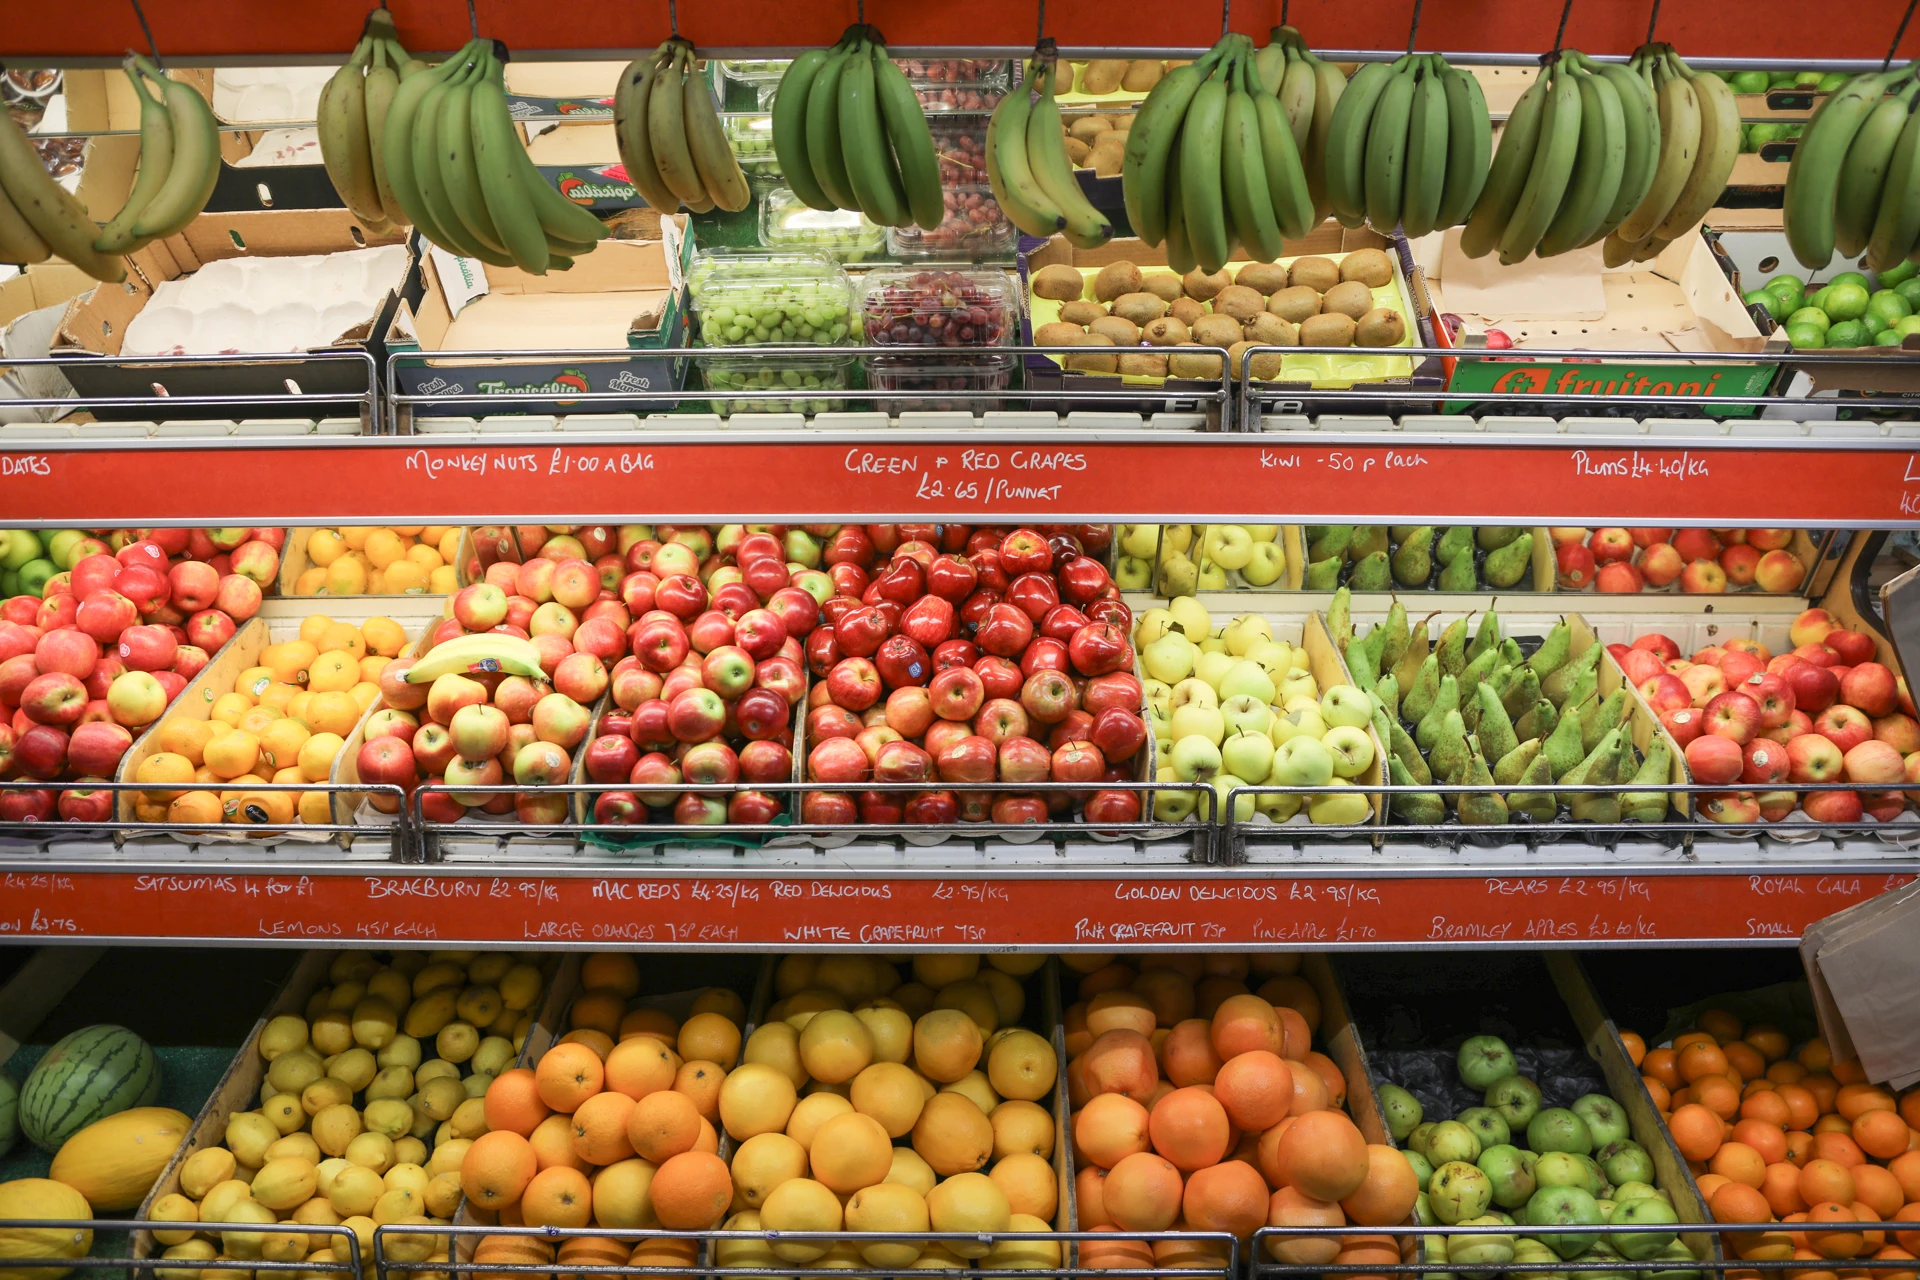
285, 721
362, 560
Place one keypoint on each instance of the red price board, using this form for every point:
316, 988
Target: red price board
910, 476
1170, 911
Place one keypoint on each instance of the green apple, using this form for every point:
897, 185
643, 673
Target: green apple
1559, 1169
1345, 808
60, 542
1597, 1185
1559, 1206
1606, 1208
23, 546
1195, 759
1675, 1252
1244, 632
1191, 617
1228, 545
1488, 1250
1179, 576
1624, 1161
1606, 1119
1151, 625
1276, 806
1173, 806
1401, 1110
1247, 714
1422, 1132
1162, 745
1212, 577
1212, 665
1484, 1059
1458, 1191
1633, 1190
1192, 692
1559, 1129
1266, 566
1352, 750
34, 574
1487, 1124
1451, 1141
1421, 1166
1224, 785
1170, 658
1298, 722
1272, 657
1246, 679
1345, 705
1528, 1252
1748, 82
1647, 1211
1248, 753
1196, 721
1157, 692
1214, 644
1297, 684
1176, 537
1133, 574
1139, 540
1423, 1214
1511, 1176
1301, 762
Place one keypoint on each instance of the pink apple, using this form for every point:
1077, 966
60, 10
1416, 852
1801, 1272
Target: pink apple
479, 731
1714, 759
1766, 762
838, 760
1812, 757
148, 648
210, 629
1611, 545
110, 668
192, 586
1873, 761
1739, 666
238, 597
95, 749
480, 607
1639, 665
1815, 687
1661, 646
1729, 806
1704, 682
1812, 626
546, 764
1665, 693
387, 760
582, 677
1697, 544
41, 752
54, 699
258, 561
560, 720
1870, 687
1740, 562
449, 693
1661, 565
764, 761
1575, 566
70, 650
103, 615
1779, 573
1733, 715
1619, 578
136, 699
1899, 731
1846, 727
1703, 577
1833, 806
189, 660
386, 722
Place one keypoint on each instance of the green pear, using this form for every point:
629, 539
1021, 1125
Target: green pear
1656, 768
1408, 752
1419, 645
1424, 689
1363, 658
1510, 563
1553, 650
1474, 672
1367, 539
1447, 702
1453, 648
1401, 532
1521, 691
1459, 573
1562, 747
1413, 562
1556, 684
1386, 692
1398, 637
1492, 537
1481, 809
1340, 619
1450, 752
1486, 637
1536, 721
1509, 767
1329, 542
1604, 771
1599, 760
1422, 808
1495, 730
1455, 540
1611, 714
1370, 573
1323, 575
1538, 805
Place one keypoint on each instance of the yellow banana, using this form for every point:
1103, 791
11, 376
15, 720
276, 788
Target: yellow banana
490, 652
55, 216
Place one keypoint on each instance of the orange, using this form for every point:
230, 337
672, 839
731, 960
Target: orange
1636, 1046
598, 1041
1823, 1180
1767, 1107
1323, 1154
1256, 1088
496, 1169
1815, 1056
712, 1037
1865, 1213
1825, 1089
1190, 1128
600, 1128
1803, 1108
1187, 1055
232, 755
1769, 1040
1850, 1071
568, 1075
333, 672
1908, 1240
1782, 1189
598, 1011
1090, 1195
1229, 1197
1662, 1065
1110, 977
691, 1191
1692, 1037
1906, 1171
195, 807
1769, 1140
1894, 1251
1243, 1023
1708, 1184
1291, 991
654, 1022
662, 1125
1881, 1134
1662, 1099
1745, 1059
1120, 1008
1697, 1061
559, 1196
1799, 1147
1833, 1244
511, 1251
1738, 1202
1289, 1208
1721, 1024
1140, 1193
1696, 1130
333, 712
610, 971
513, 1102
1878, 1190
701, 1081
1786, 1071
638, 1066
1832, 1122
1111, 1127
1853, 1100
1910, 1108
1213, 991
1387, 1194
1740, 1163
1838, 1146
1114, 1255
552, 1142
1330, 1073
1168, 994
1718, 1095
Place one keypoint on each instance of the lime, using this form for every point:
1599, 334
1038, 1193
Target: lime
1909, 325
1889, 305
1806, 337
1893, 275
1818, 298
1910, 290
1746, 138
1779, 79
1848, 333
1834, 81
1748, 81
1849, 277
1765, 133
1810, 315
1875, 325
1773, 303
1788, 287
1808, 79
1887, 338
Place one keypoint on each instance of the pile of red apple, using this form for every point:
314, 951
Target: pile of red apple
1702, 561
948, 655
107, 646
1745, 717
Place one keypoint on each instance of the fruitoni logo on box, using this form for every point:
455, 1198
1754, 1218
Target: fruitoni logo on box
612, 185
564, 381
1575, 380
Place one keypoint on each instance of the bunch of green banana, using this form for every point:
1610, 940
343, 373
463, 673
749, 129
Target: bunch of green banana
458, 171
1698, 140
1309, 89
1211, 165
850, 134
352, 121
1408, 146
671, 140
1028, 165
1855, 179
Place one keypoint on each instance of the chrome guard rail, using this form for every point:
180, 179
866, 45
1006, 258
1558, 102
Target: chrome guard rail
369, 400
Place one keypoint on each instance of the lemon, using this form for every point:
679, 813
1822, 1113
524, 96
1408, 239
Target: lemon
346, 577
383, 636
317, 755
383, 547
315, 626
324, 546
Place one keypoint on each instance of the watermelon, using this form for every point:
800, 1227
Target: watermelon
9, 1113
96, 1072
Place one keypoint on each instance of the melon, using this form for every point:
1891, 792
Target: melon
45, 1199
114, 1162
9, 1113
89, 1075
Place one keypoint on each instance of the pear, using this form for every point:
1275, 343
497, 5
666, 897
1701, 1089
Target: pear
1367, 539
1381, 723
1600, 759
1398, 637
1401, 532
1509, 769
1323, 575
1476, 671
1329, 542
1460, 573
1494, 537
1511, 563
1425, 688
1446, 703
1612, 713
1419, 644
1340, 619
1422, 808
1486, 637
1553, 650
1495, 731
1562, 747
1481, 808
1583, 686
1521, 691
1413, 562
1455, 540
1538, 805
1370, 573
1603, 771
1537, 721
1453, 648
1649, 806
1403, 747
1386, 692
1555, 684
1450, 752
1363, 658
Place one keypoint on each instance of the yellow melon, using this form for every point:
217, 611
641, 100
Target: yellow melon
45, 1199
113, 1162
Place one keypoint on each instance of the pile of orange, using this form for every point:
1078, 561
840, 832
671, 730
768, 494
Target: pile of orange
1200, 1104
614, 1127
1797, 1138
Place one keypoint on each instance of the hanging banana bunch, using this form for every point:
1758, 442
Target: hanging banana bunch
1308, 89
1028, 165
850, 134
1855, 179
1408, 146
459, 173
352, 121
1696, 146
671, 140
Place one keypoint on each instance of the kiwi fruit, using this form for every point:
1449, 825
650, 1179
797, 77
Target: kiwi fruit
1199, 284
1150, 363
1164, 286
1124, 332
1141, 308
1264, 365
1270, 330
1087, 128
1115, 279
1371, 267
1058, 334
1081, 312
1295, 303
1100, 362
1142, 74
1167, 332
1217, 331
1078, 152
1350, 298
1318, 274
1186, 311
1108, 154
1264, 278
1102, 75
1380, 327
1238, 301
1329, 330
1060, 282
1182, 363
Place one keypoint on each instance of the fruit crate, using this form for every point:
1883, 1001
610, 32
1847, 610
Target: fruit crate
241, 1087
1412, 1014
278, 621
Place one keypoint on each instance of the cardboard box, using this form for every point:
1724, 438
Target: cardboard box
1859, 964
627, 297
96, 324
571, 90
582, 162
1683, 300
31, 304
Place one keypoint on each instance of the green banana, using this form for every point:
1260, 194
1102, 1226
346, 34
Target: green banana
1174, 224
1329, 86
382, 82
1469, 147
1896, 227
397, 153
1719, 148
1863, 176
823, 125
459, 171
1086, 227
1288, 188
1507, 177
1813, 177
1384, 180
1270, 65
667, 129
1243, 173
789, 127
503, 188
912, 144
156, 158
1144, 164
1428, 137
1640, 115
20, 244
1200, 162
1597, 171
863, 143
636, 148
1551, 169
195, 167
1010, 170
1296, 93
425, 144
1348, 133
1679, 143
52, 214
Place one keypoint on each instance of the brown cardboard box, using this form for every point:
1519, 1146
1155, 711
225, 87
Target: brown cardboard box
1861, 964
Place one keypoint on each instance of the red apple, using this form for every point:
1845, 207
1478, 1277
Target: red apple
838, 760
1099, 648
902, 660
1575, 566
148, 648
854, 683
1660, 645
1766, 762
1844, 726
1078, 762
54, 699
41, 752
1000, 719
1704, 682
1618, 578
1870, 687
957, 694
95, 748
27, 806
1048, 696
1833, 806
971, 759
694, 715
1118, 733
1610, 546
1004, 631
1714, 759
239, 598
387, 761
1872, 761
1812, 757
1740, 562
1045, 654
1665, 693
1733, 715
1115, 689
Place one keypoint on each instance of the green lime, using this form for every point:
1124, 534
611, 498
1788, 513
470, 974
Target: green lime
1818, 298
1909, 325
1806, 337
1848, 333
1746, 138
1789, 287
1849, 277
1779, 79
1775, 305
1808, 79
1910, 290
1887, 338
1748, 81
1875, 325
1893, 275
1889, 305
1793, 131
1833, 81
1846, 301
1767, 132
1810, 315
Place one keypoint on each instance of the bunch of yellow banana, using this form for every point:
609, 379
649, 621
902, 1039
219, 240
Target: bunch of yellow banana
179, 165
1855, 179
1408, 146
352, 120
1211, 162
1698, 140
1030, 170
850, 134
671, 141
1308, 89
458, 171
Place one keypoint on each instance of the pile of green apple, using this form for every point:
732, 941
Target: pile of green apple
1199, 557
1238, 708
1847, 311
1513, 1162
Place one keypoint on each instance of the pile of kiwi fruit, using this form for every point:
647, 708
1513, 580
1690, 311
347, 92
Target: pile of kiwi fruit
1314, 303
